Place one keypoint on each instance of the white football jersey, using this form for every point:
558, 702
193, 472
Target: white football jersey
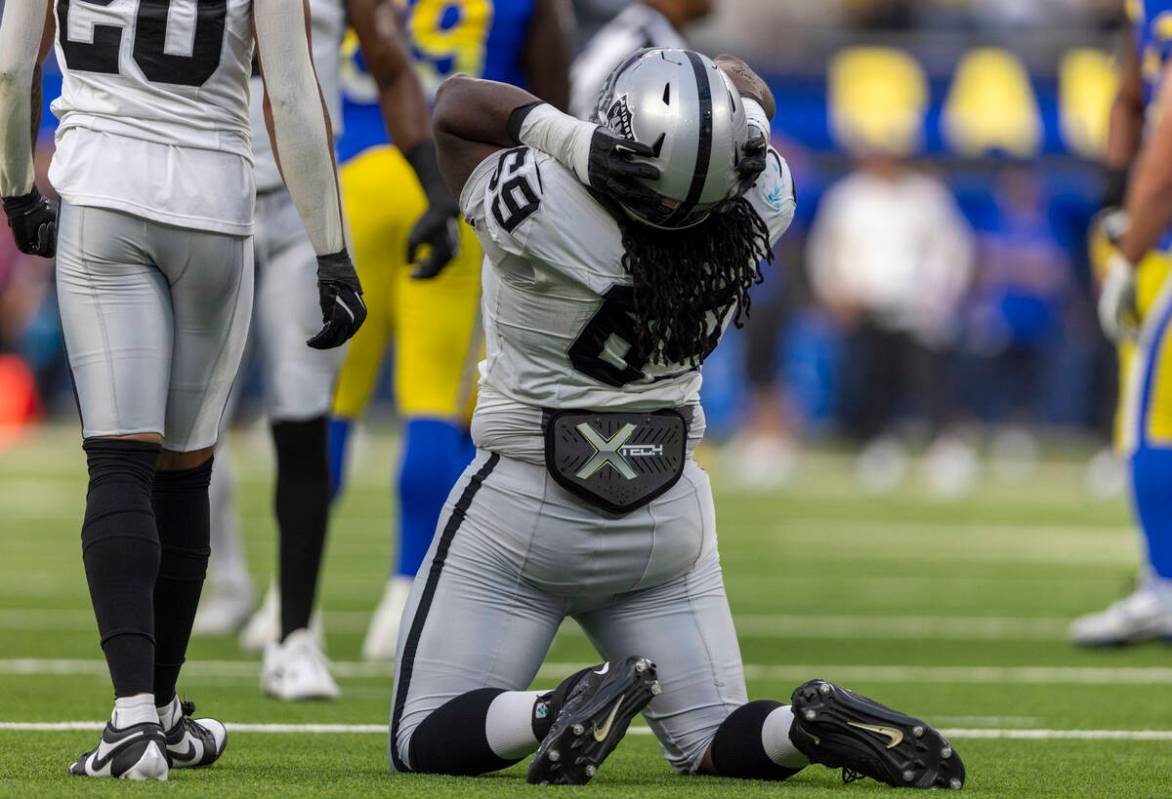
154, 110
328, 27
557, 301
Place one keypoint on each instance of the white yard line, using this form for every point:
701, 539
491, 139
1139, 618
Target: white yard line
956, 628
381, 729
976, 675
953, 628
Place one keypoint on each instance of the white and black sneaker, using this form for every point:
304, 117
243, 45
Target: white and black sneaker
137, 752
194, 743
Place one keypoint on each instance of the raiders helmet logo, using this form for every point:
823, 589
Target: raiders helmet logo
619, 118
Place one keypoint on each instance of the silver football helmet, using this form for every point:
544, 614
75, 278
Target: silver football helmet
683, 106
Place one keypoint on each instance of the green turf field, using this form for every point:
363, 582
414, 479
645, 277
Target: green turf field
952, 611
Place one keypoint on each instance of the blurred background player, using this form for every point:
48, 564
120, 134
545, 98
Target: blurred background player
646, 23
429, 311
890, 257
299, 385
155, 287
1133, 241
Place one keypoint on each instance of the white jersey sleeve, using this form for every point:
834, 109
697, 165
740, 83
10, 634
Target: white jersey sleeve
20, 32
328, 28
774, 196
526, 204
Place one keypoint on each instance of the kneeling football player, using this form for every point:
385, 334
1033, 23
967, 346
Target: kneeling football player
618, 252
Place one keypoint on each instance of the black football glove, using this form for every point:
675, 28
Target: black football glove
753, 159
1114, 188
33, 220
613, 172
439, 227
340, 294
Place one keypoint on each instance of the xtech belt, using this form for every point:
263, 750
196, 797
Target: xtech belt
616, 461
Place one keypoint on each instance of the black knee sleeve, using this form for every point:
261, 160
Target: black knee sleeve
302, 505
183, 517
737, 750
453, 740
120, 549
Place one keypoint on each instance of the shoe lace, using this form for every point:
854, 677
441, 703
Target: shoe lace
850, 775
188, 708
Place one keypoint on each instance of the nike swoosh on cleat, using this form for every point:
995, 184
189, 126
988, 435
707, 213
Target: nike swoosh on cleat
187, 756
601, 733
890, 733
102, 758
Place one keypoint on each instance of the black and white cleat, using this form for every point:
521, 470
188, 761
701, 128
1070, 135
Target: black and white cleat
593, 720
841, 729
137, 752
195, 743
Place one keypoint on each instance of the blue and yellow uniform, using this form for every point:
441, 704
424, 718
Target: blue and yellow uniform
433, 326
1144, 425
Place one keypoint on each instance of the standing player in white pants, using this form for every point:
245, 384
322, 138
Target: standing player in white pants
616, 255
299, 382
154, 271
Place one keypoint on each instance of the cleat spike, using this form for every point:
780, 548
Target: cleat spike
596, 714
909, 775
656, 688
810, 715
955, 784
946, 752
825, 689
918, 731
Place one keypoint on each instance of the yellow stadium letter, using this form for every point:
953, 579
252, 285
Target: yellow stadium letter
991, 106
878, 99
1087, 85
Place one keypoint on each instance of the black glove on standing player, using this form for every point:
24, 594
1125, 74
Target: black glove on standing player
340, 293
439, 227
33, 220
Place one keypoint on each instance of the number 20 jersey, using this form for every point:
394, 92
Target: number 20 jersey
154, 110
558, 316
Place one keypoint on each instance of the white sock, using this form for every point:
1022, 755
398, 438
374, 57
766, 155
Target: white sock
509, 724
136, 709
775, 739
170, 714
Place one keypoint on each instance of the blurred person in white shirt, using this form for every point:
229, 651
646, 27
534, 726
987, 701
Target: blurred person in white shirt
891, 258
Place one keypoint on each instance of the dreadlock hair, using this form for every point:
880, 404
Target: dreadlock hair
680, 276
